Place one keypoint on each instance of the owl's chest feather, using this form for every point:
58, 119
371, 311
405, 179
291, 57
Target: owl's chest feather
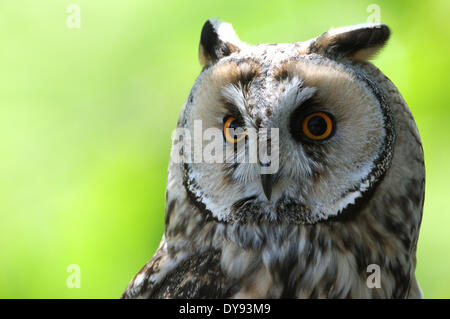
303, 268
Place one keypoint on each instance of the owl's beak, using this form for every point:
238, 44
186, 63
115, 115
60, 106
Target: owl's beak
267, 182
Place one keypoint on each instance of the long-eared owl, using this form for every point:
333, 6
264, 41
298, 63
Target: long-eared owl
297, 172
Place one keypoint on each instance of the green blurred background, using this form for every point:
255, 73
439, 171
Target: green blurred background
86, 116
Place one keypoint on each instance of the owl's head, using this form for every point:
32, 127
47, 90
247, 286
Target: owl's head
327, 131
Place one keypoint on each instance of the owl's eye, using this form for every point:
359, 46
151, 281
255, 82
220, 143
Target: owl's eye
318, 126
236, 134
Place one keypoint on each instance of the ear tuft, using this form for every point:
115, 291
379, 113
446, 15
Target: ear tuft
360, 42
217, 40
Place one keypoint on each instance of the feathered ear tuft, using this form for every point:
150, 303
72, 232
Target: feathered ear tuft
360, 42
217, 40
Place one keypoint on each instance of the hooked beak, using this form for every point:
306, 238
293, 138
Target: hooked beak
267, 182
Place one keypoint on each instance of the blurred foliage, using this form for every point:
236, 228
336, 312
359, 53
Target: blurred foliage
86, 116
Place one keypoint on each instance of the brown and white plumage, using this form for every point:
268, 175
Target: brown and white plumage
334, 207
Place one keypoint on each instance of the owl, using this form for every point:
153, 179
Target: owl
331, 204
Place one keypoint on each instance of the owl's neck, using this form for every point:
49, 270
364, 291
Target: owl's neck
321, 260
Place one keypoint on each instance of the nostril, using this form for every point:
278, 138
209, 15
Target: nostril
265, 164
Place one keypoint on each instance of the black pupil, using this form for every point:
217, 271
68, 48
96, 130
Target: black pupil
317, 125
234, 124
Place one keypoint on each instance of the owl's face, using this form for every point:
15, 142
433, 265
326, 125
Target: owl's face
334, 138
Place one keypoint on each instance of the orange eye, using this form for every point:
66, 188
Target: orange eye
232, 130
317, 126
